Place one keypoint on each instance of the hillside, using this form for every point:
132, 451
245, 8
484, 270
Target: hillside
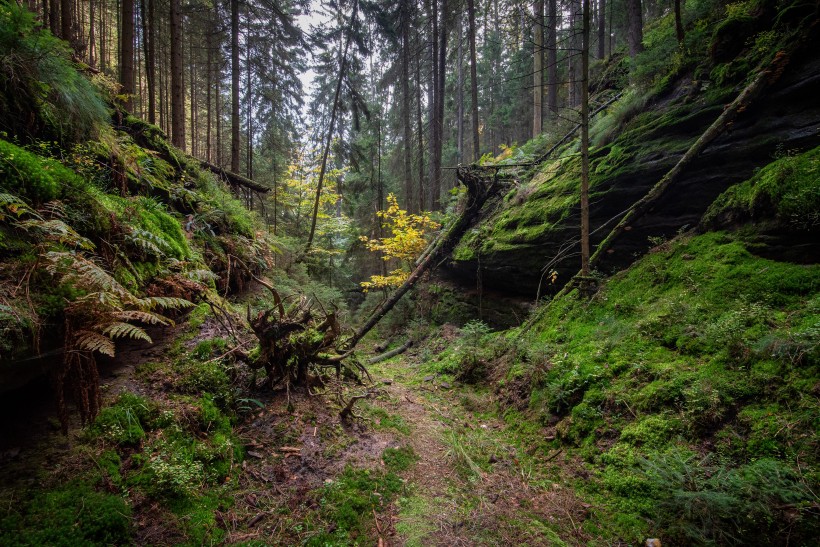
294, 351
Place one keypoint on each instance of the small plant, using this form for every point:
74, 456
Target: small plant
406, 242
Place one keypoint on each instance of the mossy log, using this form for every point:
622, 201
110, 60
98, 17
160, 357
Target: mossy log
233, 178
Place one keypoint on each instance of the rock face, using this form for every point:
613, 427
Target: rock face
514, 254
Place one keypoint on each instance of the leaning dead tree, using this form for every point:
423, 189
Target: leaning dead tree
482, 182
300, 345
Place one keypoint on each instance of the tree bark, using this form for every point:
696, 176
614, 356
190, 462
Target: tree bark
406, 106
552, 57
585, 140
177, 84
150, 61
537, 66
679, 23
432, 89
635, 27
235, 72
473, 78
419, 131
127, 53
460, 92
67, 22
602, 29
208, 83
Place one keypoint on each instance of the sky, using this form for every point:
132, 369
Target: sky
308, 23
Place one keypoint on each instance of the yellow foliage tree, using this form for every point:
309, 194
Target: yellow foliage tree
406, 242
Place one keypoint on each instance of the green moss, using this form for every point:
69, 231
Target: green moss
126, 421
786, 191
654, 431
73, 514
349, 502
700, 340
399, 459
35, 177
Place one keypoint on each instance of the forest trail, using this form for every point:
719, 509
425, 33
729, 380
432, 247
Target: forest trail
473, 483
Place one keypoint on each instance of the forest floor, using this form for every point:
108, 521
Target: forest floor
425, 462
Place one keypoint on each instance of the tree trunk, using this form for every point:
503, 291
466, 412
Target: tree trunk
635, 27
150, 61
54, 17
208, 83
435, 184
127, 53
585, 140
432, 90
406, 106
92, 31
552, 58
66, 22
323, 167
194, 104
537, 66
473, 77
177, 84
419, 131
679, 24
460, 92
235, 72
602, 29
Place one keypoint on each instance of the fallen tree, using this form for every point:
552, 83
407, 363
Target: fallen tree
299, 345
480, 187
234, 179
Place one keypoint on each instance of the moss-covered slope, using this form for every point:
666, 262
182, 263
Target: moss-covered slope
689, 383
644, 134
105, 210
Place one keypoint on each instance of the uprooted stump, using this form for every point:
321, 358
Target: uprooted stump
297, 346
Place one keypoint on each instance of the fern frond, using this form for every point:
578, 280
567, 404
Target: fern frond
148, 242
57, 230
146, 317
125, 330
11, 204
201, 275
94, 341
85, 274
165, 302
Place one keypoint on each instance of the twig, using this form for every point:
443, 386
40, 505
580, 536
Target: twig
554, 455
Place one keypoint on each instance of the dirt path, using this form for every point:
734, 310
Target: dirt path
472, 485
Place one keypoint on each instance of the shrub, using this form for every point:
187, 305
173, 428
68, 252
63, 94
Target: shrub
699, 501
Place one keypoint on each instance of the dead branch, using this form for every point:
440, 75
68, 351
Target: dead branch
392, 353
233, 178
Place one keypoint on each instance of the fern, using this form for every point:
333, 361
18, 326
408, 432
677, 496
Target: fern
12, 205
94, 342
57, 231
165, 302
149, 243
85, 274
120, 329
146, 317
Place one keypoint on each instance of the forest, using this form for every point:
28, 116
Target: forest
448, 272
